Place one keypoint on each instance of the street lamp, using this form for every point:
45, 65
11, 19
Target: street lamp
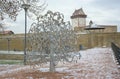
25, 7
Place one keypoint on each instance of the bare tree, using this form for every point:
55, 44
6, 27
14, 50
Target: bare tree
52, 40
1, 28
10, 8
35, 8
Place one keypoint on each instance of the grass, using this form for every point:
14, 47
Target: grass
11, 56
11, 62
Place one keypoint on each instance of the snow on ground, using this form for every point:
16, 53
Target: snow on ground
95, 63
11, 52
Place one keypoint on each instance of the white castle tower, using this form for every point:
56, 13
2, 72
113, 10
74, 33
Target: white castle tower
78, 19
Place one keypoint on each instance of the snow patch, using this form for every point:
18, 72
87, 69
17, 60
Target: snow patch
95, 63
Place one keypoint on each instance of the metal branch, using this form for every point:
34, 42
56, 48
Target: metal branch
51, 39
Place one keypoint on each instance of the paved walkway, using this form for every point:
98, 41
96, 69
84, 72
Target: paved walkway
98, 63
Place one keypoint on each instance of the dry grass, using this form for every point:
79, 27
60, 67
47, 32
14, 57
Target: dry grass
35, 75
11, 56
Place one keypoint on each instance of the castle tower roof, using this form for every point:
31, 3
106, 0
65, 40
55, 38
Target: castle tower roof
78, 13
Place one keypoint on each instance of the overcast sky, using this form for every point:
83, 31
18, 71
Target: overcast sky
103, 12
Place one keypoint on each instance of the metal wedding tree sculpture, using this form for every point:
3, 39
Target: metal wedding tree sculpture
51, 40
